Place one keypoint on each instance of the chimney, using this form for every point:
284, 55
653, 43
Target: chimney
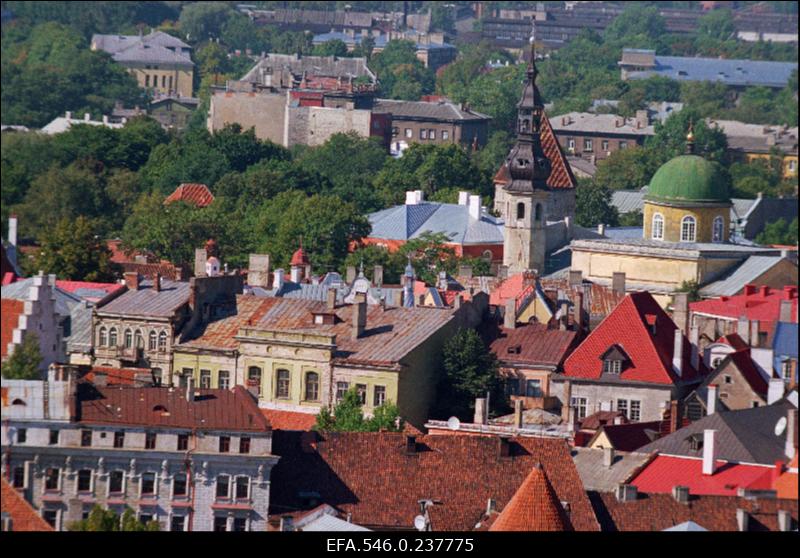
287, 524
754, 333
377, 275
608, 457
618, 282
200, 259
618, 419
680, 311
105, 119
359, 319
481, 417
677, 353
465, 271
742, 519
258, 270
743, 329
100, 379
575, 277
463, 198
350, 276
784, 316
278, 279
411, 198
784, 521
132, 280
502, 272
775, 390
475, 207
458, 301
565, 414
711, 399
331, 299
69, 115
190, 389
709, 452
749, 290
694, 339
642, 119
157, 282
681, 494
674, 415
627, 493
86, 117
601, 229
577, 311
491, 506
518, 413
12, 231
510, 314
790, 447
411, 444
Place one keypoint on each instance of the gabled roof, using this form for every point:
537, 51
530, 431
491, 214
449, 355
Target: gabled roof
87, 290
23, 516
537, 344
404, 222
747, 435
629, 327
197, 195
746, 273
444, 111
596, 476
372, 476
145, 301
534, 507
744, 363
756, 303
21, 290
629, 437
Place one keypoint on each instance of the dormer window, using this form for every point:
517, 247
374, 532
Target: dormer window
515, 350
612, 366
696, 442
614, 360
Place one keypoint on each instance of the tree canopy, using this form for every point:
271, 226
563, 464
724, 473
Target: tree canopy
26, 360
348, 416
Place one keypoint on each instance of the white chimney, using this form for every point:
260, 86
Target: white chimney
790, 448
601, 229
277, 280
775, 391
608, 457
480, 411
12, 230
709, 452
463, 198
711, 399
105, 119
69, 115
743, 329
296, 273
475, 207
742, 519
87, 116
419, 195
784, 520
411, 198
677, 353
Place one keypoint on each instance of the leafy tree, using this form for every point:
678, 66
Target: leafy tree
716, 24
496, 94
670, 138
442, 17
334, 47
401, 74
690, 287
779, 232
107, 520
631, 219
469, 370
626, 169
593, 205
204, 20
26, 360
636, 20
348, 416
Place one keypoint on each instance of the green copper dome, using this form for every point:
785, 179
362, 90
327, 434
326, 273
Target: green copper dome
689, 179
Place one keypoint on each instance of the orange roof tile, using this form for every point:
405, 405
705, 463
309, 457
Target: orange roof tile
23, 516
12, 309
195, 194
534, 507
289, 420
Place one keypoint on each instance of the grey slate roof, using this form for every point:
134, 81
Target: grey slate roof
752, 268
156, 47
675, 249
746, 436
147, 302
403, 222
319, 293
79, 336
20, 290
315, 65
627, 201
595, 476
327, 522
604, 124
426, 110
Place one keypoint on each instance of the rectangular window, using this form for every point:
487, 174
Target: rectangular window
622, 407
395, 131
533, 388
224, 379
51, 517
380, 396
145, 518
282, 384
623, 144
423, 133
341, 389
445, 134
571, 144
224, 444
239, 524
242, 488
147, 81
183, 442
52, 477
612, 366
636, 411
179, 485
362, 393
150, 440
116, 481
409, 133
512, 386
223, 486
54, 437
22, 435
244, 445
148, 484
119, 439
580, 403
220, 523
587, 144
85, 480
432, 134
18, 479
177, 523
205, 379
605, 145
86, 438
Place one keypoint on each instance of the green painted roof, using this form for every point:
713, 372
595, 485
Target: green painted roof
689, 178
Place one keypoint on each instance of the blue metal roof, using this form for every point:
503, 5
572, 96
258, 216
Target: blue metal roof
730, 72
403, 222
784, 345
750, 270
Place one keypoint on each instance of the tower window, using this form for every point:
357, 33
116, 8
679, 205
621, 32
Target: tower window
658, 227
538, 212
520, 210
688, 229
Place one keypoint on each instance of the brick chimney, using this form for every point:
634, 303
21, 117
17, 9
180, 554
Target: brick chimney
481, 416
200, 259
674, 415
510, 314
330, 299
694, 339
565, 407
132, 280
709, 452
618, 282
157, 282
359, 319
577, 311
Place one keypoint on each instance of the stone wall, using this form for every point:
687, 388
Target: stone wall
314, 125
604, 396
265, 112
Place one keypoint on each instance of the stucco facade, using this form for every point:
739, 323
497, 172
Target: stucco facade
673, 216
164, 79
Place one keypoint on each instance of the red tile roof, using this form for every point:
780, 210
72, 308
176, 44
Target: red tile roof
117, 376
656, 512
537, 344
757, 303
510, 288
194, 194
289, 420
80, 288
666, 471
371, 475
212, 409
12, 309
23, 516
560, 175
627, 327
534, 507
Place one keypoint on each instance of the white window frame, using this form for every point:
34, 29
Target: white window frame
688, 229
622, 407
580, 403
124, 482
154, 494
445, 134
409, 133
216, 487
635, 411
612, 366
186, 483
657, 227
588, 144
91, 482
205, 374
57, 526
341, 387
375, 402
227, 379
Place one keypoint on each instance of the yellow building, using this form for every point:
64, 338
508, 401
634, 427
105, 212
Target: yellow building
161, 63
685, 235
756, 142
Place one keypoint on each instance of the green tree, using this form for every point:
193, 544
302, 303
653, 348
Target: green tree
26, 360
401, 74
593, 205
71, 250
103, 520
335, 47
626, 169
631, 219
204, 20
348, 416
692, 288
636, 20
469, 370
779, 232
496, 94
716, 24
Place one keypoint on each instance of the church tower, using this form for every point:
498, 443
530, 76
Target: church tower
523, 202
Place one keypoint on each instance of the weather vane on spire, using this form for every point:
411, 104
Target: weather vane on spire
532, 71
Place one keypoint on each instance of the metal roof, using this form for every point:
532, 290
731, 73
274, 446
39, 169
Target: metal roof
20, 290
147, 302
403, 222
79, 336
327, 522
752, 268
427, 110
595, 476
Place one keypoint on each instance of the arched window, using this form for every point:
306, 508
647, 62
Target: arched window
103, 337
520, 210
282, 380
128, 339
254, 378
162, 341
139, 339
112, 337
537, 215
718, 233
658, 227
152, 342
688, 229
312, 386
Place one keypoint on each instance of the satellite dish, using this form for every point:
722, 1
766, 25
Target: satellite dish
453, 423
780, 426
420, 523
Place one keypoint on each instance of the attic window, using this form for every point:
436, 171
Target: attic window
612, 366
614, 360
515, 350
19, 402
162, 410
696, 442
